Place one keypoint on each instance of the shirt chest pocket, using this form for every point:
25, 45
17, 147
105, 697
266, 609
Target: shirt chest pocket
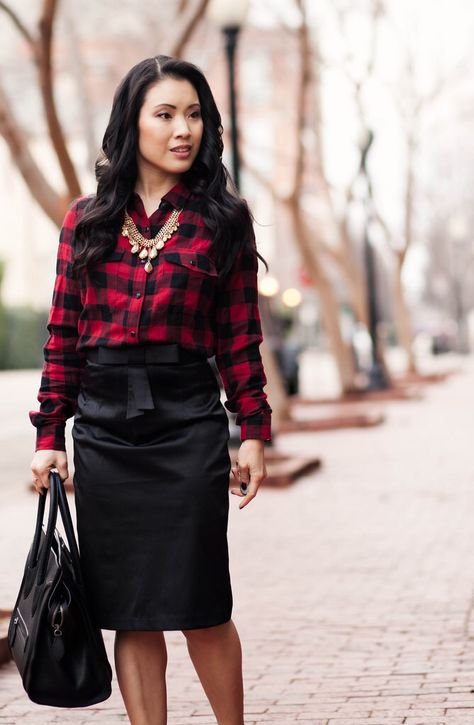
191, 277
105, 274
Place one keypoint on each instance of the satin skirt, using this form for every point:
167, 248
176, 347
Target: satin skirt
152, 498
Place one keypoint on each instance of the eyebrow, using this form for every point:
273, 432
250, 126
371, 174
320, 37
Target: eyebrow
170, 105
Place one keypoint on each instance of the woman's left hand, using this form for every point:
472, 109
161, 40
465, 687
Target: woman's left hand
249, 468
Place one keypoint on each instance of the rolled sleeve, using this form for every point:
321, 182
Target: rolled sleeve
238, 358
63, 364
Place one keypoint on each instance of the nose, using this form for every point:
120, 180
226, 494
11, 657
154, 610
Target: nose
181, 127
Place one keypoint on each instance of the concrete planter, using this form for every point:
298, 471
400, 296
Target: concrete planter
5, 655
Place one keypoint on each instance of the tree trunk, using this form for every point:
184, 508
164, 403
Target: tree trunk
276, 391
43, 59
332, 325
328, 301
402, 315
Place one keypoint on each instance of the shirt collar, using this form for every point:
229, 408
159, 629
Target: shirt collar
176, 198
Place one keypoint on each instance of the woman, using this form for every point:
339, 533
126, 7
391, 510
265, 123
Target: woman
157, 272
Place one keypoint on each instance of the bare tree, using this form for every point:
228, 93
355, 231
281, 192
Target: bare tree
40, 48
40, 45
412, 104
310, 237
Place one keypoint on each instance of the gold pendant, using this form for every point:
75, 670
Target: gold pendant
144, 253
148, 266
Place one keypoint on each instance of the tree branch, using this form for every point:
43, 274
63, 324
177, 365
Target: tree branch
19, 25
49, 200
187, 27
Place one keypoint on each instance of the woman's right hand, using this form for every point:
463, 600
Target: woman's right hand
43, 461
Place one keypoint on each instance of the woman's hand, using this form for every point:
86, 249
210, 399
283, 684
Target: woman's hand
249, 468
43, 461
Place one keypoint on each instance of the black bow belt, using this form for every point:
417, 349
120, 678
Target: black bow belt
137, 358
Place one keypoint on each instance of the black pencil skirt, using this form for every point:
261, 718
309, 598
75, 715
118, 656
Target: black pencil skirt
151, 483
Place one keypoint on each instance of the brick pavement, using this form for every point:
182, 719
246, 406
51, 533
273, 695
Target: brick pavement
353, 588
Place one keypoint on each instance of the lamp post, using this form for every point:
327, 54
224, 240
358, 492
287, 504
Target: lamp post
229, 16
458, 232
377, 376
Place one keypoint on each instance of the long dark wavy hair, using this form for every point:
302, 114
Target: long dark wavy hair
225, 213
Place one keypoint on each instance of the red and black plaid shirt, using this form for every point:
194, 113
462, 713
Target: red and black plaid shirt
117, 303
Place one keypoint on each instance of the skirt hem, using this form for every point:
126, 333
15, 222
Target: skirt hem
151, 626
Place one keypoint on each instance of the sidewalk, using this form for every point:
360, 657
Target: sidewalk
353, 588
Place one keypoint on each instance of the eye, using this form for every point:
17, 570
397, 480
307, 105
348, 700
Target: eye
164, 113
196, 114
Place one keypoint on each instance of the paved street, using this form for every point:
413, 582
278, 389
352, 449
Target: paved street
353, 588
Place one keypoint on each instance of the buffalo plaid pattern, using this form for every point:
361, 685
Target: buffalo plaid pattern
116, 303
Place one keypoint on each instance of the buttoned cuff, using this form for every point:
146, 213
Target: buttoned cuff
256, 426
50, 437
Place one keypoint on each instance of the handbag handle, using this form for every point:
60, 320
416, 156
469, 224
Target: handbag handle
32, 564
49, 533
33, 555
68, 526
58, 501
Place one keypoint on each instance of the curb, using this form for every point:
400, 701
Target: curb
397, 392
354, 420
428, 378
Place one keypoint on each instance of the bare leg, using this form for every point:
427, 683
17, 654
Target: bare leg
140, 663
216, 654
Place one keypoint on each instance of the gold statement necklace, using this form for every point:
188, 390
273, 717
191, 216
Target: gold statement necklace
149, 247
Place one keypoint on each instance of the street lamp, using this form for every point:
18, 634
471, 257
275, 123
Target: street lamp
229, 16
377, 376
458, 232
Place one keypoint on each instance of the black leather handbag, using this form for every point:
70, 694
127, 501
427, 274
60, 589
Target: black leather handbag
59, 652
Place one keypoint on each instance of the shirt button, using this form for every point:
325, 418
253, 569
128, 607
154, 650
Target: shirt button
146, 229
133, 333
163, 205
191, 261
138, 295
